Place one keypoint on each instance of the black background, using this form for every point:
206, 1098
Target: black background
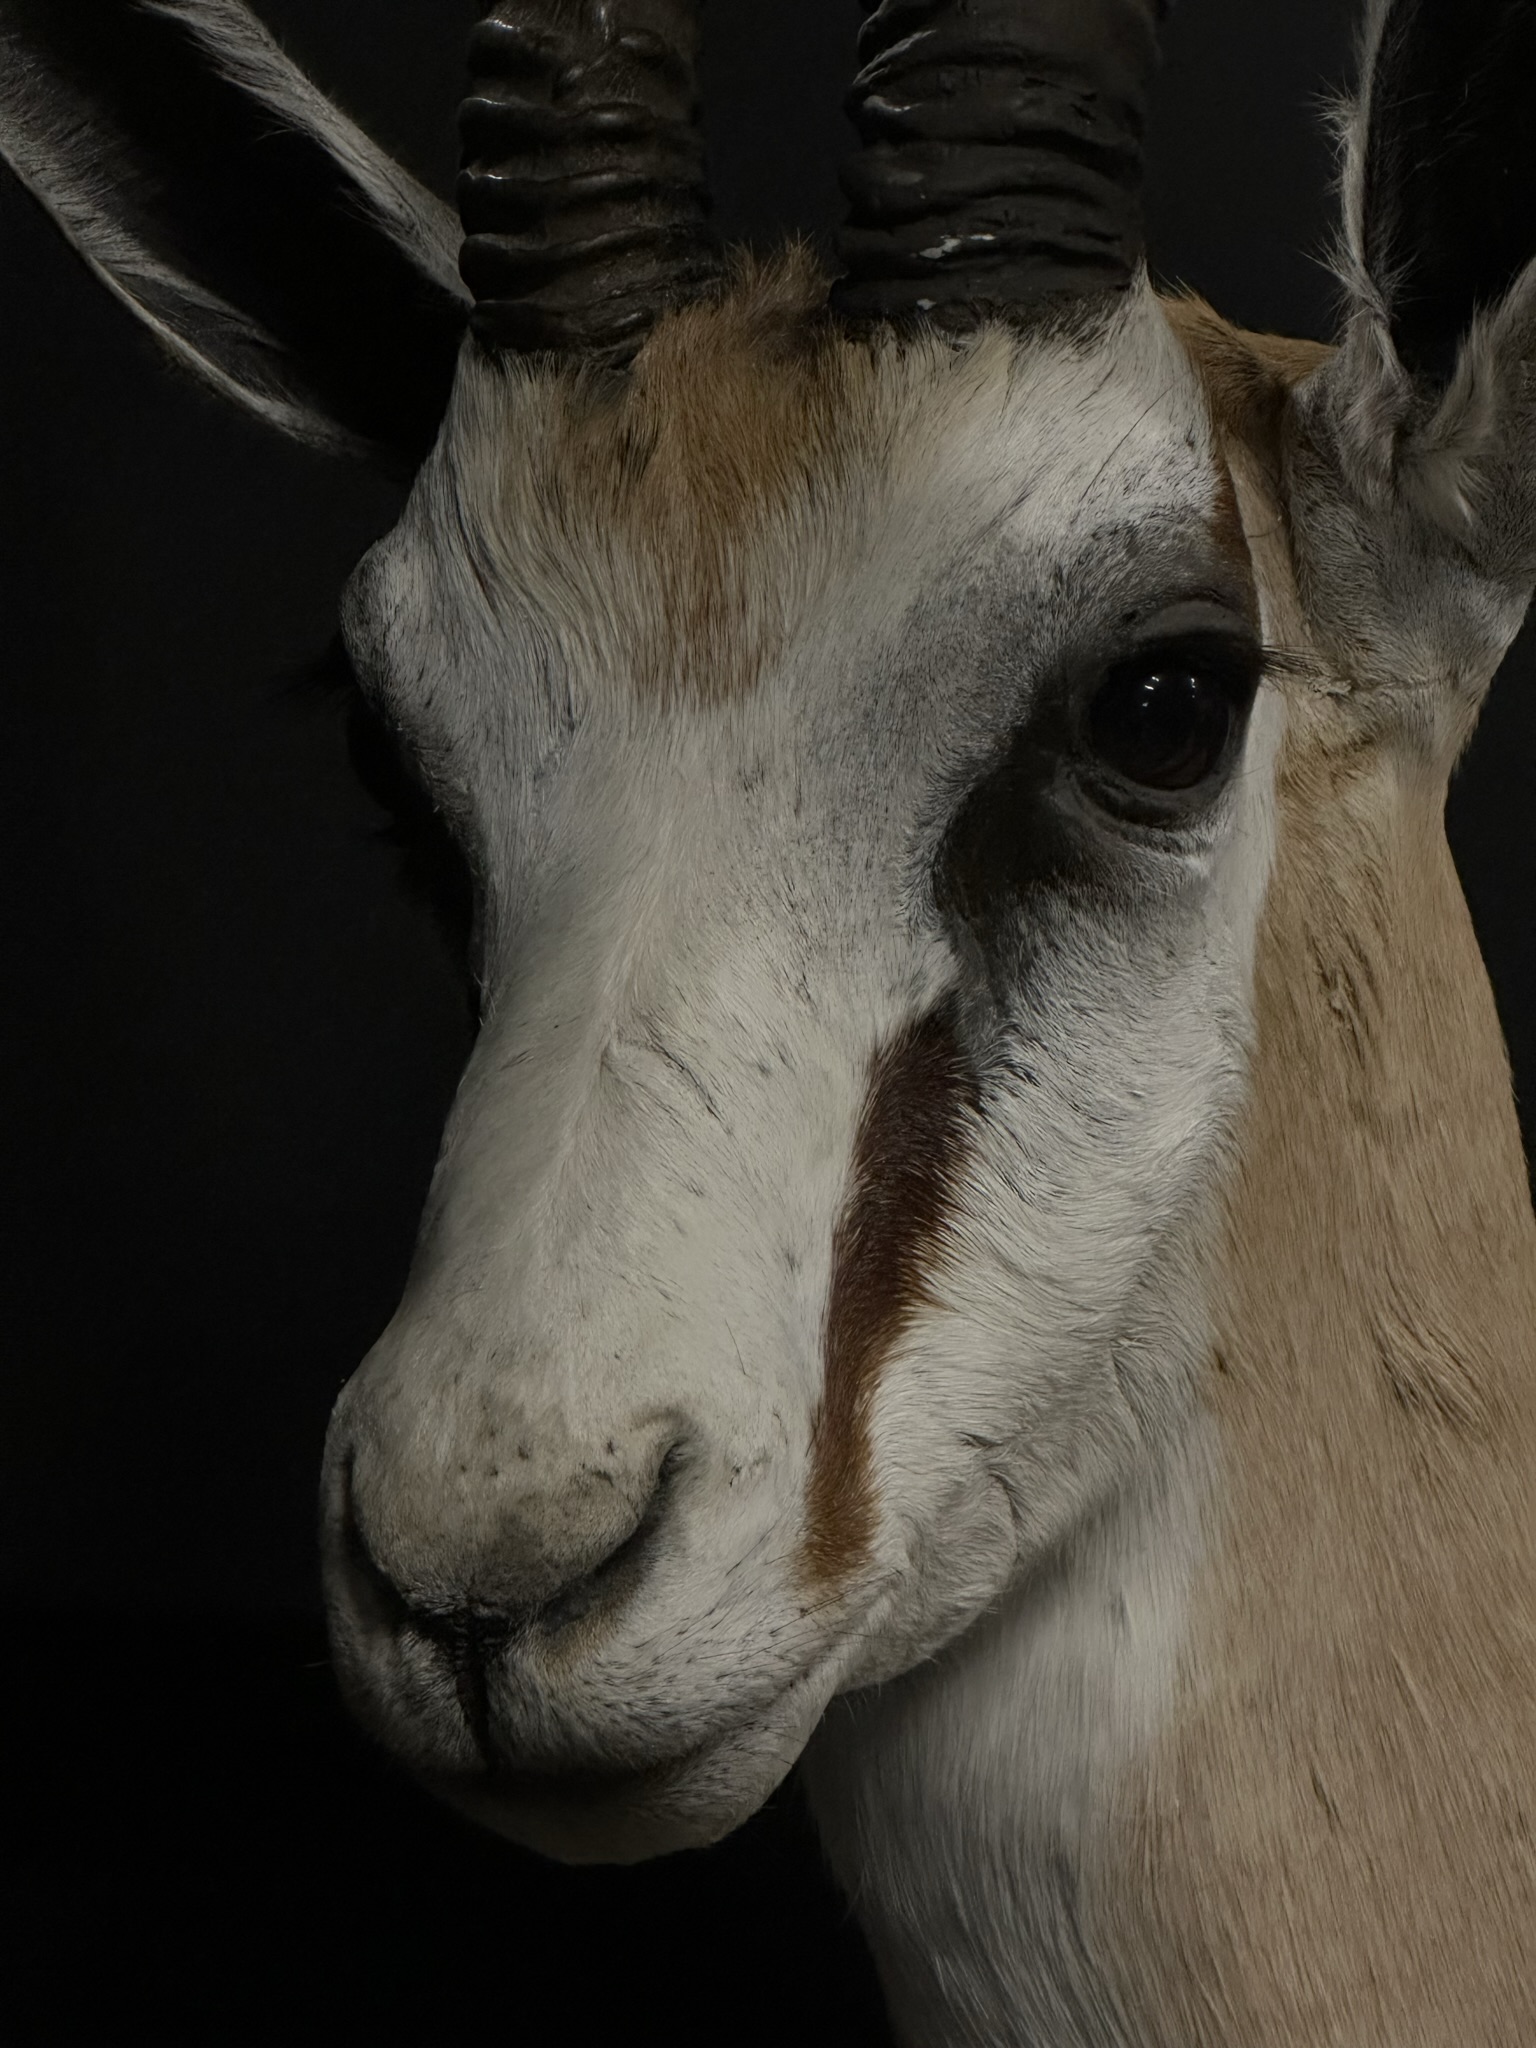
230, 1035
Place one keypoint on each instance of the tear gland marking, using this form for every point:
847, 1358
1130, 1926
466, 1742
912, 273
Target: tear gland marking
921, 1098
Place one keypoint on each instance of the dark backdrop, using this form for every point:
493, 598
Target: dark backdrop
230, 1035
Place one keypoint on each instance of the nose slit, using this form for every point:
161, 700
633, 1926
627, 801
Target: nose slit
467, 1643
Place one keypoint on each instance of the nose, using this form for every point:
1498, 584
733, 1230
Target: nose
521, 1584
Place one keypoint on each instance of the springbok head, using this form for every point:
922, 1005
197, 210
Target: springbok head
852, 717
952, 772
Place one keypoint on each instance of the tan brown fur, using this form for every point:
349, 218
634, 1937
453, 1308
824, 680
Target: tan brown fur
737, 413
1336, 1842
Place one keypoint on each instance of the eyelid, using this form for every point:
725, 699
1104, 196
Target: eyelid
1193, 620
1230, 655
1225, 656
1207, 601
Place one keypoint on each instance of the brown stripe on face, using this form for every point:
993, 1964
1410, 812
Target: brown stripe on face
906, 1158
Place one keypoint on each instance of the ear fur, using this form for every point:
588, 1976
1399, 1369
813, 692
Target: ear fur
1413, 461
270, 246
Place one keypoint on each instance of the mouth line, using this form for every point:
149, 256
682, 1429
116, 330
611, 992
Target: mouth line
588, 1786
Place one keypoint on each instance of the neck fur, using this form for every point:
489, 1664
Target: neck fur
1253, 1762
963, 1806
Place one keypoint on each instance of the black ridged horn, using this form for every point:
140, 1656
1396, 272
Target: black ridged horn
582, 189
1001, 159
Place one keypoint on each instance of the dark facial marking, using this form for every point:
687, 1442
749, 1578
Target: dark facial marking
922, 1094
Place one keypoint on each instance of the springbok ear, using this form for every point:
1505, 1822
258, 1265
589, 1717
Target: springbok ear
266, 242
1413, 481
1440, 173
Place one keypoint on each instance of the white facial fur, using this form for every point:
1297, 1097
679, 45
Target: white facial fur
701, 922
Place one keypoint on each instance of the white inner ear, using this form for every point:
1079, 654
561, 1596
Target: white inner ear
1446, 464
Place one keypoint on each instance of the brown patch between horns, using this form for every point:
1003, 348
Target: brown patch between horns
701, 491
921, 1096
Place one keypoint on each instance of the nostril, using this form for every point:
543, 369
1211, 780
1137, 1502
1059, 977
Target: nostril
371, 1586
618, 1574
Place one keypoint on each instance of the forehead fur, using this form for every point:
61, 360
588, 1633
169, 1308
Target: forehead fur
676, 524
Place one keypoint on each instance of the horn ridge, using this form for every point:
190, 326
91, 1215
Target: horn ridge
582, 188
1002, 155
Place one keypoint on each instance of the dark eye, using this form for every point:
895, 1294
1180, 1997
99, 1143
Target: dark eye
1166, 723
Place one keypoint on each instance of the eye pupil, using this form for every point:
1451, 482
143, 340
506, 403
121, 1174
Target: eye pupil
1162, 728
